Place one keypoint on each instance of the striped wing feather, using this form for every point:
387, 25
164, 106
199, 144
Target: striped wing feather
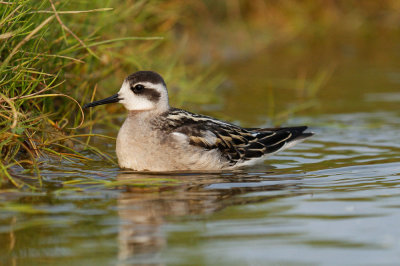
236, 144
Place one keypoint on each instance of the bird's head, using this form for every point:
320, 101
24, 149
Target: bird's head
140, 91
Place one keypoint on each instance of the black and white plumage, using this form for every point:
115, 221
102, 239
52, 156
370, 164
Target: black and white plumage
157, 137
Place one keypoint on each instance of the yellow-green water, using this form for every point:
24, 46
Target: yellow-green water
331, 200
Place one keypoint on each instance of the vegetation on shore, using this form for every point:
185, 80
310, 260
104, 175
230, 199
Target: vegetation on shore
55, 53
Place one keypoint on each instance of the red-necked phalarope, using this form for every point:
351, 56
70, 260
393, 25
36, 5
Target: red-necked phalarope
157, 137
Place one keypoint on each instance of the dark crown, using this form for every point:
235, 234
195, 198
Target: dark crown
146, 76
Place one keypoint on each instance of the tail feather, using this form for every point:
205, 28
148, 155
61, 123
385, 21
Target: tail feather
284, 137
266, 144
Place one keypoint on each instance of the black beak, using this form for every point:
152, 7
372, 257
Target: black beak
111, 99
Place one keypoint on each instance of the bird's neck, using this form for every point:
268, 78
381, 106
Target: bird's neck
146, 114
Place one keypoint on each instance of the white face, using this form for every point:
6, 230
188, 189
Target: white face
153, 97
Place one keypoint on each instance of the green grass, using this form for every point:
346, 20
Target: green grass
45, 67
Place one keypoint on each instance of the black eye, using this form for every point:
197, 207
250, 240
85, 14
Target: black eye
138, 88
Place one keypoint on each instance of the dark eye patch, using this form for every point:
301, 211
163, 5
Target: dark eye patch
151, 94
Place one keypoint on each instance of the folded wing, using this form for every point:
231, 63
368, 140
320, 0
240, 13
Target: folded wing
234, 143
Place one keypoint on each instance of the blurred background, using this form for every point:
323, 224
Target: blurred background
333, 65
242, 48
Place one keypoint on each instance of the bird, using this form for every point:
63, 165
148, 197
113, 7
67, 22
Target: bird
159, 138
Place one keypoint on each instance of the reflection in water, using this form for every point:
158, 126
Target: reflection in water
143, 214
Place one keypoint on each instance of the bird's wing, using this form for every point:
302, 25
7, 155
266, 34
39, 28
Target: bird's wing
235, 144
